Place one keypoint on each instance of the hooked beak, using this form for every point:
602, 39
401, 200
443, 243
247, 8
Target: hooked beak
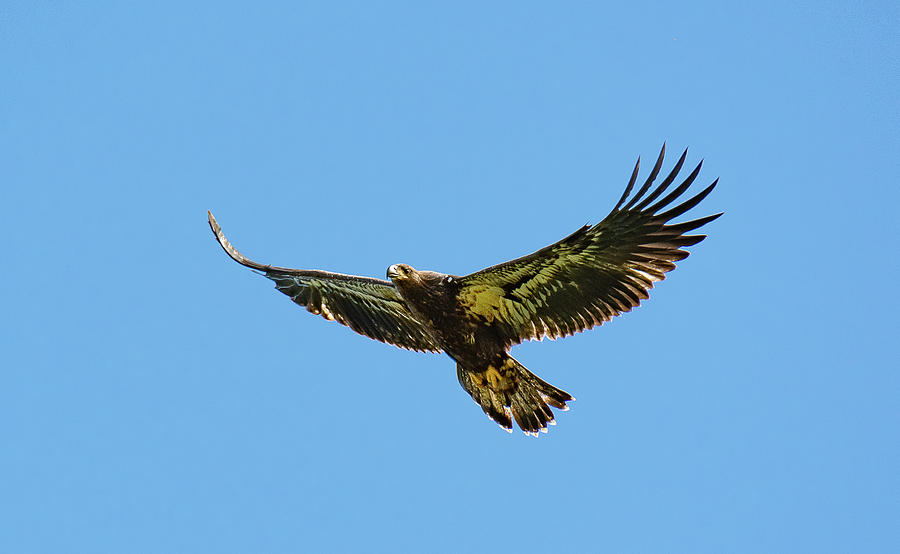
392, 272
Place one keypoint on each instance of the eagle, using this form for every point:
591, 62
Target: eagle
581, 281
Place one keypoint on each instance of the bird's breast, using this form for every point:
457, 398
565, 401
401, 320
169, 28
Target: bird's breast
464, 337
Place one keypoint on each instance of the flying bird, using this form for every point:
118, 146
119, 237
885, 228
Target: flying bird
584, 280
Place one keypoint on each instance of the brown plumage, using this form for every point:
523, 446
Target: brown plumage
583, 280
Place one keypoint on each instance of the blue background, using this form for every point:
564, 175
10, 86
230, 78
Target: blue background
157, 397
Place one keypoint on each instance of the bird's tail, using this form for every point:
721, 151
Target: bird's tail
507, 390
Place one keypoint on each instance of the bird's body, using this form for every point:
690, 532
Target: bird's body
432, 299
483, 364
581, 281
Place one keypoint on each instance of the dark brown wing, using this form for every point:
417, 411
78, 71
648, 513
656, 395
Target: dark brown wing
371, 307
595, 273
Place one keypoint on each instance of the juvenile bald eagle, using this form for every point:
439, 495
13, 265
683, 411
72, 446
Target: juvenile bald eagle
583, 280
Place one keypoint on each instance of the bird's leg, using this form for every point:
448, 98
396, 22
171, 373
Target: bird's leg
496, 377
493, 377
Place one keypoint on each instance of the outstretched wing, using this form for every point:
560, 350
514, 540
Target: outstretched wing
594, 274
371, 307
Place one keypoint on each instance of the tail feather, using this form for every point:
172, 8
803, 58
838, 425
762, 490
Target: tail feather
506, 390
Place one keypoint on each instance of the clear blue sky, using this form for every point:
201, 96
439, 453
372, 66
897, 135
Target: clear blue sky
157, 397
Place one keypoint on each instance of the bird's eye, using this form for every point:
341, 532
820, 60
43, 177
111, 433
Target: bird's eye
448, 279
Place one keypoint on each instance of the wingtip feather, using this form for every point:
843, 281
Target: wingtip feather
634, 174
650, 178
229, 249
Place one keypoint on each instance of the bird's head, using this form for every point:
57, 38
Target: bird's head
401, 272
